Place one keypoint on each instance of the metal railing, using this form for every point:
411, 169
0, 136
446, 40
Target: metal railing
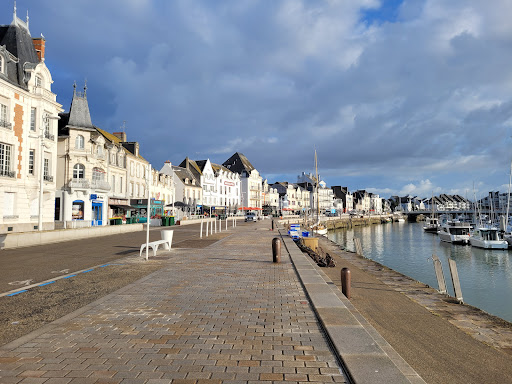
49, 136
79, 184
5, 173
5, 124
48, 178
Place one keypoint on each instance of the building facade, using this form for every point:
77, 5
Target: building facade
28, 131
83, 189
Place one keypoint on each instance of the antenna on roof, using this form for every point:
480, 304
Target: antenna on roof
74, 88
123, 127
27, 19
85, 88
14, 16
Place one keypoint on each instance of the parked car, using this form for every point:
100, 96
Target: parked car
250, 216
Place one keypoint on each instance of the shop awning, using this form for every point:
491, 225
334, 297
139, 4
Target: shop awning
250, 209
121, 206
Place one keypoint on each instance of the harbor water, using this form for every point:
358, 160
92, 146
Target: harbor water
485, 275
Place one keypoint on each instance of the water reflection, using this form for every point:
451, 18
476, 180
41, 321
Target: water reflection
485, 275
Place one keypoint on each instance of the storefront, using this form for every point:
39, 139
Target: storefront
119, 208
140, 207
97, 205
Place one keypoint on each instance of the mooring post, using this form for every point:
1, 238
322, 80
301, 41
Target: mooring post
345, 282
215, 220
211, 227
276, 250
206, 227
201, 232
272, 224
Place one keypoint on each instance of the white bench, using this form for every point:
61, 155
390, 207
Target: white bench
154, 246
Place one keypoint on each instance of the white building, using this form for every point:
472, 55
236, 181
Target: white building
187, 198
250, 180
28, 147
270, 198
221, 187
83, 188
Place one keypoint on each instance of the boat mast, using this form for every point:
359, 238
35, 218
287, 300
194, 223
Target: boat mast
317, 200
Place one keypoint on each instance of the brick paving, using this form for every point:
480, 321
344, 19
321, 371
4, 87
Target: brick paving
222, 314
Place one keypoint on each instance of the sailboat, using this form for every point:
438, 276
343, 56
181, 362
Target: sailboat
432, 222
318, 228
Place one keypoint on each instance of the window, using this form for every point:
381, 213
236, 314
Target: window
31, 160
79, 142
9, 199
4, 116
39, 81
121, 185
138, 170
113, 183
5, 160
1, 64
99, 150
98, 174
33, 112
46, 168
46, 122
78, 171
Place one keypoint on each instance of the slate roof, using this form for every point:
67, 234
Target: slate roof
238, 163
18, 42
184, 173
78, 115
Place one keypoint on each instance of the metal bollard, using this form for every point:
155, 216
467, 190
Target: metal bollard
345, 282
201, 232
276, 249
272, 224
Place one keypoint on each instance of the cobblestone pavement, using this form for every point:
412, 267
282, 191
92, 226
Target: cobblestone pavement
222, 314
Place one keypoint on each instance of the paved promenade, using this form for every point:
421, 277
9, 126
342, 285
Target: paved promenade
224, 313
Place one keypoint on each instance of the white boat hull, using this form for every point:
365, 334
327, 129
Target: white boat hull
320, 231
488, 244
454, 239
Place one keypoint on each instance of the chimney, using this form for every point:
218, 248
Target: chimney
39, 45
121, 136
168, 162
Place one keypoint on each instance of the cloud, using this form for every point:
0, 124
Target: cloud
393, 97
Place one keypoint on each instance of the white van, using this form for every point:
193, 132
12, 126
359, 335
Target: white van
250, 216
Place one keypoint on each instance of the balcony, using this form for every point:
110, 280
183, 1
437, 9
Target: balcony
5, 173
87, 184
49, 136
40, 91
48, 178
100, 184
79, 184
5, 124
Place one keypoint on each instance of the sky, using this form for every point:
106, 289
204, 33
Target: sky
398, 97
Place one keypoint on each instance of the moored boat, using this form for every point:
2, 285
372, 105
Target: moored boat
455, 232
487, 238
431, 225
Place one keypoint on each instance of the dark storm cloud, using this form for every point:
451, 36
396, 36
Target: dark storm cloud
411, 98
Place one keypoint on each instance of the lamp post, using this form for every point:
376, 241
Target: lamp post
46, 121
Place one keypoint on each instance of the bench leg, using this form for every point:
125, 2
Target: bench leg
155, 248
141, 249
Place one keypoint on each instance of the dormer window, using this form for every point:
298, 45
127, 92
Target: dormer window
2, 64
39, 81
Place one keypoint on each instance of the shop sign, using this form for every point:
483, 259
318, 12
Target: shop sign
229, 183
93, 197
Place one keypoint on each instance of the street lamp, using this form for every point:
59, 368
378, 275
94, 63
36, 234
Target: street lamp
46, 120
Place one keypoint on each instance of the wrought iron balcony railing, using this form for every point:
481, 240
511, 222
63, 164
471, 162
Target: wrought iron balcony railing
48, 178
5, 124
5, 173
